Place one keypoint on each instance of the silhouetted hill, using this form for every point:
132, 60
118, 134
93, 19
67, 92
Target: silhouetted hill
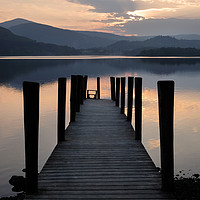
14, 22
48, 34
16, 45
156, 42
187, 37
171, 52
103, 35
79, 39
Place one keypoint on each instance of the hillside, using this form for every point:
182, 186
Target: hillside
14, 22
171, 52
12, 44
52, 35
77, 39
16, 45
126, 47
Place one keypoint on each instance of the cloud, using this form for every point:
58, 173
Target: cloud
159, 27
107, 6
116, 16
123, 13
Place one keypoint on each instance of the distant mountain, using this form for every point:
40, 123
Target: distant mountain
187, 36
103, 35
16, 45
52, 35
90, 42
171, 51
14, 22
77, 39
157, 42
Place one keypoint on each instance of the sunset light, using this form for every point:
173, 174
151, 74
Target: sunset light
98, 15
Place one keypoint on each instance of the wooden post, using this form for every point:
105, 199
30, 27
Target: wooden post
73, 99
166, 118
117, 91
123, 83
138, 108
81, 90
61, 108
98, 87
130, 98
85, 86
112, 82
31, 120
78, 93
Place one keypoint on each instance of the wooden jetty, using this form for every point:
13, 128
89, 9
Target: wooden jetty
99, 155
99, 159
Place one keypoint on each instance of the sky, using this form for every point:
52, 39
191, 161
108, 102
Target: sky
123, 17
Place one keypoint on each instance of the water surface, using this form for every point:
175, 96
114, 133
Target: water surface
184, 71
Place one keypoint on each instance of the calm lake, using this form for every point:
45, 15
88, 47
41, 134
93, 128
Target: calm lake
46, 70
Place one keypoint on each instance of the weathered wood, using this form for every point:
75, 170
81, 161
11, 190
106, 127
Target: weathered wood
130, 98
78, 93
100, 160
138, 108
61, 108
166, 120
123, 84
73, 99
81, 90
31, 120
112, 82
85, 86
98, 87
117, 91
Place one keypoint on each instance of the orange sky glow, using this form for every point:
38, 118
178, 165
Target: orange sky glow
97, 15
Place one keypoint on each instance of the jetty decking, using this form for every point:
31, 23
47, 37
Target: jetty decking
100, 159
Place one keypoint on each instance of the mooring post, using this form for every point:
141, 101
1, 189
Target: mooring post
85, 86
166, 119
78, 93
73, 98
61, 108
117, 91
112, 82
138, 108
31, 120
130, 98
82, 90
98, 87
123, 83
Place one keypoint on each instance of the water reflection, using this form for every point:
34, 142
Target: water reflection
16, 71
185, 72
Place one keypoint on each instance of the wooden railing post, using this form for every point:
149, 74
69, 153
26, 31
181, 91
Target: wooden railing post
130, 98
117, 91
61, 108
31, 120
138, 108
73, 98
123, 83
166, 118
98, 87
85, 86
112, 82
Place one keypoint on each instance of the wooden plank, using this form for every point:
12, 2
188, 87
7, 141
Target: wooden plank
100, 159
